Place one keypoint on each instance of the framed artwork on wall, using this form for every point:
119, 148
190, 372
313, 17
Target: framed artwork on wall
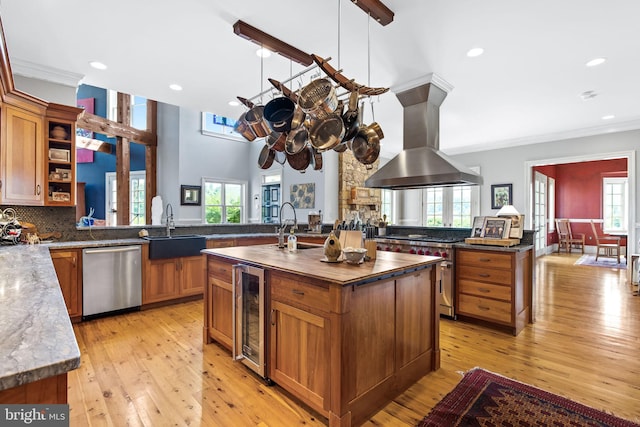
190, 195
501, 195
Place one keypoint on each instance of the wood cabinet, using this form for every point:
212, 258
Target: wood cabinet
68, 265
300, 339
494, 286
60, 163
174, 278
22, 160
219, 303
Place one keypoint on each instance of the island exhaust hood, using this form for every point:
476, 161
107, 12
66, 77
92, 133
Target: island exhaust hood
421, 163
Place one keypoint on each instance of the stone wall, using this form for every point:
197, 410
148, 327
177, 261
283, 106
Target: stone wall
352, 174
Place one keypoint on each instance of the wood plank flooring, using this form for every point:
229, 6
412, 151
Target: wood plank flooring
150, 368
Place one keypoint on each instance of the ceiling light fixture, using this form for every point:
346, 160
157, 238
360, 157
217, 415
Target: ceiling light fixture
378, 11
175, 87
267, 41
263, 53
98, 65
476, 51
234, 103
608, 117
595, 61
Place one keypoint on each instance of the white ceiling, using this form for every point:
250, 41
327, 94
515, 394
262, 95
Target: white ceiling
525, 88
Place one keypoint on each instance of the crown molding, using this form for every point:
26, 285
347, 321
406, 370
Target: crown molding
43, 72
549, 137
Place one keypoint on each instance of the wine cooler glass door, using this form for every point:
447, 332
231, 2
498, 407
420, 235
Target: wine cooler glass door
249, 300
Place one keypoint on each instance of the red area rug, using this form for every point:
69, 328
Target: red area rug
486, 399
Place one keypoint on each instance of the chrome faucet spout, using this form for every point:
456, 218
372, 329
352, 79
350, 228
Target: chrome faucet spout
283, 224
170, 224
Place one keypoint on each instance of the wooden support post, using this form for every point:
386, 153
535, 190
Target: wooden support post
123, 161
150, 158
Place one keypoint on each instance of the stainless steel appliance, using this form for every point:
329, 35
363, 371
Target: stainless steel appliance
111, 279
249, 317
435, 246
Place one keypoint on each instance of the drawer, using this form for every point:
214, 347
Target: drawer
298, 293
484, 290
485, 308
483, 259
220, 270
492, 275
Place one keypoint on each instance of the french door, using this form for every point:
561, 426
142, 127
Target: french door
540, 212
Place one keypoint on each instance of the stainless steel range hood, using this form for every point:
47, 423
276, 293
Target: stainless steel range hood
421, 163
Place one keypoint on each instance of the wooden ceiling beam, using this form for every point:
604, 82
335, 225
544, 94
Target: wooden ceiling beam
381, 13
108, 127
267, 41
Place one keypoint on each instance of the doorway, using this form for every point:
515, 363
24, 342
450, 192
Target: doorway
137, 203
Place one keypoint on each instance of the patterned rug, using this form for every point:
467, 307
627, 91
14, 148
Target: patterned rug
602, 261
483, 399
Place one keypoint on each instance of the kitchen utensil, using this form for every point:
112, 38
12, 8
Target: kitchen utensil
256, 121
296, 140
354, 255
327, 132
366, 144
318, 98
276, 140
265, 159
279, 113
243, 128
300, 161
317, 159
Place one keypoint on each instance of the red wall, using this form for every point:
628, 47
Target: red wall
579, 190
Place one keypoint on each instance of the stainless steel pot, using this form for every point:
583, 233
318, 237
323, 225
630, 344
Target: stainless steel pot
327, 133
256, 121
318, 98
265, 160
296, 140
366, 144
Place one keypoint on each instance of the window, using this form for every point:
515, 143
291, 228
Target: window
551, 184
224, 201
450, 206
614, 204
214, 125
136, 198
138, 109
386, 207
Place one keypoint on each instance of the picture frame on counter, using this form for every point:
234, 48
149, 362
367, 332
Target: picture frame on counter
501, 195
478, 226
58, 154
517, 225
496, 228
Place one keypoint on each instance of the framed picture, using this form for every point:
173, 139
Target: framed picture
517, 225
60, 155
60, 197
65, 174
190, 195
478, 225
501, 195
496, 228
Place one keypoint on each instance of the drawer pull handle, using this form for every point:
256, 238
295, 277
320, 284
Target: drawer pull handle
484, 259
485, 290
483, 275
484, 308
297, 292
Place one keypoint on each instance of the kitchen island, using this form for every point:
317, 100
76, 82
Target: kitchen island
38, 344
344, 339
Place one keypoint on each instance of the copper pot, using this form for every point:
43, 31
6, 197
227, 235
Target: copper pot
301, 160
256, 121
265, 159
244, 129
366, 144
317, 159
276, 140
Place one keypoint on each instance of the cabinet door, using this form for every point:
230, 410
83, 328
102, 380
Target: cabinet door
192, 275
220, 312
22, 158
162, 281
67, 264
414, 317
299, 353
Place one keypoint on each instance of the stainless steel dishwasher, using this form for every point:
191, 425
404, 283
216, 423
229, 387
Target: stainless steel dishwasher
111, 279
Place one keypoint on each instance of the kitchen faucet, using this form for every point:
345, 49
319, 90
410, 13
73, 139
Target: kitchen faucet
170, 224
283, 224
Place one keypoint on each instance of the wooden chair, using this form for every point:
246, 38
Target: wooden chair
609, 245
566, 239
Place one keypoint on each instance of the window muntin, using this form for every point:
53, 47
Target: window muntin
220, 126
614, 204
450, 206
224, 202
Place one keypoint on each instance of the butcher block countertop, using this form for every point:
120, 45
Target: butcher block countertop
308, 262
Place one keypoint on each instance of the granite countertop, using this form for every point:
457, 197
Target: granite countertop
515, 248
36, 336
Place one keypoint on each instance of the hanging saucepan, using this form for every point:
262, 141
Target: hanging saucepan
255, 119
351, 118
244, 129
366, 144
301, 160
326, 133
278, 113
296, 140
276, 140
318, 98
317, 159
341, 148
265, 159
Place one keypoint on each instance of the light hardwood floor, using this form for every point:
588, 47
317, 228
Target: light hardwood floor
150, 368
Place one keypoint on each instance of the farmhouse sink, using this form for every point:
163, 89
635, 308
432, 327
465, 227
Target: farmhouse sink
175, 246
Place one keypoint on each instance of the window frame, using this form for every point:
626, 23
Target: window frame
609, 180
233, 136
224, 181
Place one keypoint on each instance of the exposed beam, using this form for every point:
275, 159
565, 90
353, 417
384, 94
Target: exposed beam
265, 40
381, 13
108, 127
93, 144
150, 159
123, 161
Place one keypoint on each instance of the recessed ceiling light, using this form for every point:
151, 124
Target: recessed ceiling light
234, 103
175, 87
595, 61
263, 53
98, 65
608, 117
476, 51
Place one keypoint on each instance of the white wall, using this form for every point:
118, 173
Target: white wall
49, 91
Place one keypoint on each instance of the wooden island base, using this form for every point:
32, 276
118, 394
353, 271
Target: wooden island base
343, 339
50, 390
